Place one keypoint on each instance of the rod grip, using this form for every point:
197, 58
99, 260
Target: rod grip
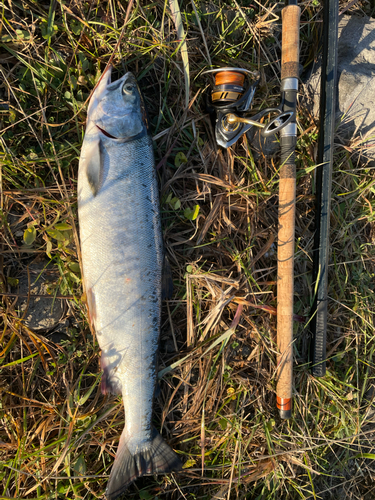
290, 42
285, 278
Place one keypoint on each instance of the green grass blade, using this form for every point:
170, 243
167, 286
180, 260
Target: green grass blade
176, 15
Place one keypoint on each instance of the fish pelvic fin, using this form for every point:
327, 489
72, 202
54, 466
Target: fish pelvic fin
154, 457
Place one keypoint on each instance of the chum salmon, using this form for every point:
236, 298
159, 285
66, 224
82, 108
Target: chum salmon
123, 258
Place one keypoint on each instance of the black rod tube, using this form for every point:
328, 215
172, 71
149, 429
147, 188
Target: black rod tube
328, 94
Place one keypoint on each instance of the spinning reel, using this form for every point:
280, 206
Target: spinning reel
231, 101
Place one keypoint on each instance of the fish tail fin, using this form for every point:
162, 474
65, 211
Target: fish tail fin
155, 457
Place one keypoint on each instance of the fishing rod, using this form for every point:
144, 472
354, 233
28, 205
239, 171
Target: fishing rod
287, 200
323, 183
230, 102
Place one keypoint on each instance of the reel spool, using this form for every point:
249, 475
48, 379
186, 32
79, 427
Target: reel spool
229, 85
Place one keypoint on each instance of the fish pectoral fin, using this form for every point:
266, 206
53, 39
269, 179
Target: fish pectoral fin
155, 457
92, 163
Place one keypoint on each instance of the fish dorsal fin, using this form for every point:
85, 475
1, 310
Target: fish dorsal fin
166, 280
91, 162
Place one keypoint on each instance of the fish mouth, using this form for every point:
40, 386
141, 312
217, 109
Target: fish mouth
106, 133
121, 82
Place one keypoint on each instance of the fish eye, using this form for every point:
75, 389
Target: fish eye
128, 88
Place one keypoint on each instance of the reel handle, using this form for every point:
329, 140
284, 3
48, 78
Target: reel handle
277, 123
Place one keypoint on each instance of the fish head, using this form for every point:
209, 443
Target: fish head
117, 109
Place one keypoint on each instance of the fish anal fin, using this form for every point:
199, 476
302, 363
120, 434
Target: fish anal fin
110, 383
153, 457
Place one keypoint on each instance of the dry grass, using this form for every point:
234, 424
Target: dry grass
217, 406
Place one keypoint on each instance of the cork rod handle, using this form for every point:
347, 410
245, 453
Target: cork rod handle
285, 278
290, 42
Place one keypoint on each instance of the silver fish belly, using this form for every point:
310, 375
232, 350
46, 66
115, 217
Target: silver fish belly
122, 257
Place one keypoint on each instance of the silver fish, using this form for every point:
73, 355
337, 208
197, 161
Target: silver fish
122, 257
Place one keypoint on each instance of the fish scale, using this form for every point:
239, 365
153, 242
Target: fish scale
122, 257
